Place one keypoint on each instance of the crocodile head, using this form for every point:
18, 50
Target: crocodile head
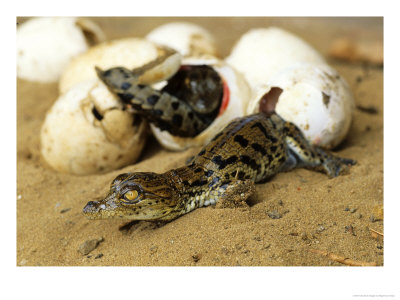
136, 196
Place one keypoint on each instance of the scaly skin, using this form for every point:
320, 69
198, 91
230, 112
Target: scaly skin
184, 107
249, 150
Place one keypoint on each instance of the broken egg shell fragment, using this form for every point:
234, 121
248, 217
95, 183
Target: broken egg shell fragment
46, 45
315, 98
87, 132
168, 64
262, 53
239, 94
130, 53
187, 38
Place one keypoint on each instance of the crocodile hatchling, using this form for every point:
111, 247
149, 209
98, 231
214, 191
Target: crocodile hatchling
186, 106
250, 149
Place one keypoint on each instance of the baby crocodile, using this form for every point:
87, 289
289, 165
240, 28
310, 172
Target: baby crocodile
184, 107
250, 149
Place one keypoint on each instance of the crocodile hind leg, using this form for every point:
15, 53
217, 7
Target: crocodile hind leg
302, 154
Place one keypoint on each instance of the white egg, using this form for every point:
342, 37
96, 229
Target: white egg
129, 53
313, 95
46, 45
86, 131
263, 52
187, 38
236, 94
315, 98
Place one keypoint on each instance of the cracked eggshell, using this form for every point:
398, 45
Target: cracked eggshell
46, 45
263, 52
87, 132
129, 53
315, 98
236, 92
187, 38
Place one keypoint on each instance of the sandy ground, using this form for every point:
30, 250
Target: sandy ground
317, 213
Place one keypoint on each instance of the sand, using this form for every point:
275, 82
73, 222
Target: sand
314, 212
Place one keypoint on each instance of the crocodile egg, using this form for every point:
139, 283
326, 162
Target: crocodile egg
45, 45
263, 52
129, 53
235, 100
315, 98
187, 38
87, 132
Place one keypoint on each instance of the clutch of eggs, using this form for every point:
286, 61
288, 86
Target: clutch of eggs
289, 76
104, 136
87, 131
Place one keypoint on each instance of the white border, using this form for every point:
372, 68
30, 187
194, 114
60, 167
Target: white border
224, 283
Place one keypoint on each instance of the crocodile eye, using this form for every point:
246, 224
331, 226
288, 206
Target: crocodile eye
131, 195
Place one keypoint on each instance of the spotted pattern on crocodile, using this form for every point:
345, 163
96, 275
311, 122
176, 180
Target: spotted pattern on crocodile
186, 106
249, 150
